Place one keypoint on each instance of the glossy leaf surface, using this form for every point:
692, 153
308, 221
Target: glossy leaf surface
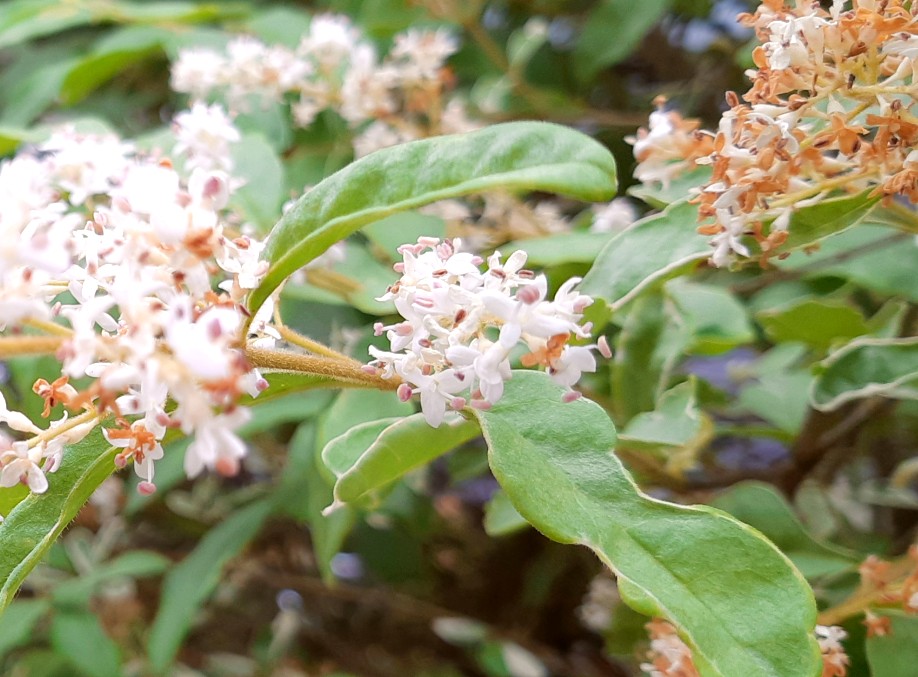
511, 156
684, 563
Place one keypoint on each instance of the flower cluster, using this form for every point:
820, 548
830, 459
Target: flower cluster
130, 271
834, 659
403, 96
398, 98
830, 112
461, 325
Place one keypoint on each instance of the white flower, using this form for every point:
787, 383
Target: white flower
22, 465
445, 348
205, 135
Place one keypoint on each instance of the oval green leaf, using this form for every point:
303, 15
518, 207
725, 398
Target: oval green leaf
400, 447
738, 602
512, 156
654, 248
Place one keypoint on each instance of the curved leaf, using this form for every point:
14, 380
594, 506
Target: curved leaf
867, 367
515, 156
654, 248
738, 602
36, 522
400, 447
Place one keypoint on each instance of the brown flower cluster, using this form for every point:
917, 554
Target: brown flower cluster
830, 113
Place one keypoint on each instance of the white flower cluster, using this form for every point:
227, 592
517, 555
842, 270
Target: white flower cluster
116, 256
461, 325
334, 67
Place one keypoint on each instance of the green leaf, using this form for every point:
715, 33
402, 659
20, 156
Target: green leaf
813, 223
761, 506
676, 429
501, 518
23, 20
661, 195
189, 584
36, 522
259, 199
781, 398
871, 256
398, 448
612, 32
654, 248
864, 368
716, 320
132, 564
78, 636
815, 322
514, 156
116, 52
350, 408
18, 622
738, 602
650, 341
896, 654
574, 247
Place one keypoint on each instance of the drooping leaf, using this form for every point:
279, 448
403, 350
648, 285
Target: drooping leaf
35, 523
684, 563
362, 465
867, 367
512, 156
188, 585
652, 249
759, 505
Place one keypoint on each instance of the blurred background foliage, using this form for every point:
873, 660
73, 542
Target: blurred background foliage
244, 576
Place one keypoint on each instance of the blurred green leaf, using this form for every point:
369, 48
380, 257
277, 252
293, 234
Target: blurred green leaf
895, 654
871, 256
18, 622
115, 52
661, 195
654, 248
818, 323
716, 320
736, 599
554, 250
864, 368
612, 31
398, 448
78, 636
404, 228
190, 582
501, 518
759, 505
677, 429
514, 156
256, 162
781, 398
132, 564
36, 522
813, 223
